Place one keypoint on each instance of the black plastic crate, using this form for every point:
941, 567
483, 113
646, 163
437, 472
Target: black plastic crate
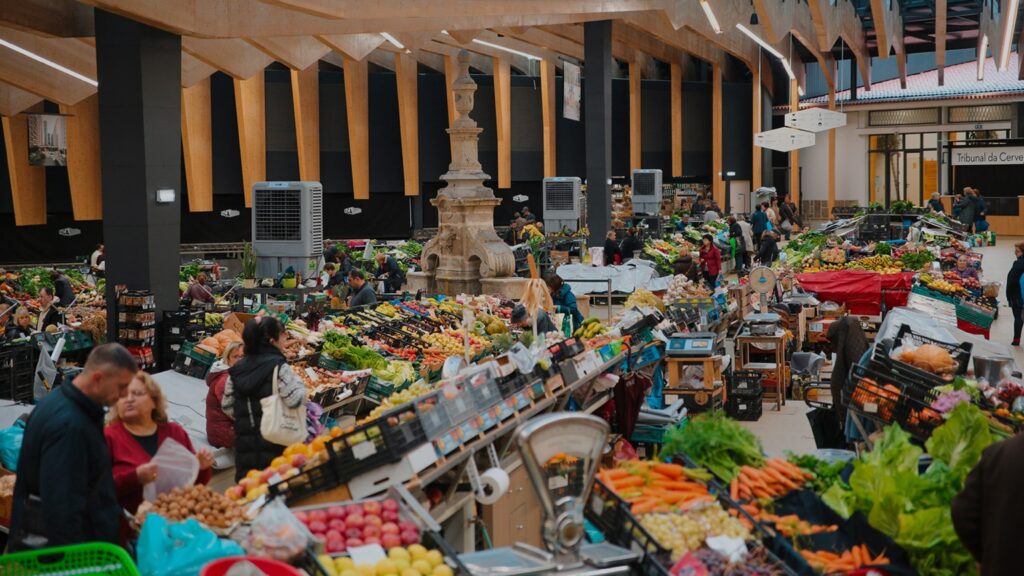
961, 353
610, 514
744, 409
309, 482
184, 317
883, 398
744, 382
382, 441
511, 384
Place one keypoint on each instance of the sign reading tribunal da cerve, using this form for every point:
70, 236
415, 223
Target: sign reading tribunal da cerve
995, 156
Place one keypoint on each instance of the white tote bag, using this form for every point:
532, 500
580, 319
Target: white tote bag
281, 424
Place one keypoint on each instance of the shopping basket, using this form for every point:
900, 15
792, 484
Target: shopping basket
94, 558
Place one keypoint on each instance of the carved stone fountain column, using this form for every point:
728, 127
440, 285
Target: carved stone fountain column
466, 256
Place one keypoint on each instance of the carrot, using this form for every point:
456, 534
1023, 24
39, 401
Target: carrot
677, 485
615, 473
627, 482
660, 476
644, 507
671, 470
855, 553
734, 489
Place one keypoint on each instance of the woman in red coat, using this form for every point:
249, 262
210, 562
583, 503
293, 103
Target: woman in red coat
710, 260
220, 426
137, 427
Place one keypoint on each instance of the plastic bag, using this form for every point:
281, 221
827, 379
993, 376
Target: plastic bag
177, 467
276, 533
181, 549
10, 444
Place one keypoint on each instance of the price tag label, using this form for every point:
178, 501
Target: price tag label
312, 374
871, 407
364, 450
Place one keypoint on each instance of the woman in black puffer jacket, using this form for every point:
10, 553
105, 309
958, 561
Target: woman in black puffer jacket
252, 380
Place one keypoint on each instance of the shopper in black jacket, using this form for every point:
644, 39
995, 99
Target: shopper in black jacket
252, 380
631, 244
1013, 293
612, 253
768, 251
986, 514
65, 491
736, 233
848, 343
62, 288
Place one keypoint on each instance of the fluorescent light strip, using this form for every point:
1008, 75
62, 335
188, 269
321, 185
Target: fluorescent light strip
768, 48
711, 16
1009, 22
47, 62
504, 49
393, 40
983, 51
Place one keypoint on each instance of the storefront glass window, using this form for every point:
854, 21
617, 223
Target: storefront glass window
903, 167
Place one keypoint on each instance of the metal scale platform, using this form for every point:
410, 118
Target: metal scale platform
691, 345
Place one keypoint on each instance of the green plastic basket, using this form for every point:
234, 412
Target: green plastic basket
95, 558
974, 315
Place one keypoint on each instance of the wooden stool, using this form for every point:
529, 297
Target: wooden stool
674, 371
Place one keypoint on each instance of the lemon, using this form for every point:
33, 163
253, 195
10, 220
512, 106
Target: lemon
386, 567
435, 558
328, 564
349, 573
344, 563
417, 551
423, 567
442, 570
398, 552
410, 572
401, 563
366, 570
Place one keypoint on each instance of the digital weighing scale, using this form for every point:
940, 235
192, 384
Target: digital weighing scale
762, 323
561, 453
693, 344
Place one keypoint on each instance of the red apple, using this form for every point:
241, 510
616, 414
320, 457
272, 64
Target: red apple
353, 542
389, 528
334, 546
353, 533
355, 521
299, 460
406, 525
302, 517
355, 509
373, 521
317, 527
371, 540
318, 516
370, 531
336, 512
337, 524
389, 516
283, 469
409, 537
390, 541
389, 504
267, 474
333, 535
372, 508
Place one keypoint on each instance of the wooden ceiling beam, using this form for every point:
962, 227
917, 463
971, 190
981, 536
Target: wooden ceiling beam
479, 61
465, 36
295, 52
832, 22
233, 56
59, 18
14, 100
574, 33
397, 9
626, 32
545, 40
777, 19
355, 46
520, 63
995, 25
515, 44
193, 70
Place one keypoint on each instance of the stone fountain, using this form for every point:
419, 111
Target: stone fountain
466, 256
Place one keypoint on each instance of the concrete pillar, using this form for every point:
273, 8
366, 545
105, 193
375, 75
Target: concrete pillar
139, 73
597, 110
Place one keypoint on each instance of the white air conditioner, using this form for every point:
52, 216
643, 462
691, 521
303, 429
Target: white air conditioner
562, 203
647, 192
287, 227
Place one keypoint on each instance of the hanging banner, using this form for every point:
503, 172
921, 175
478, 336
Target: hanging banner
571, 92
47, 140
1003, 155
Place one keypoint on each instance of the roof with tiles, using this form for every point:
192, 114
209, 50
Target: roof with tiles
961, 84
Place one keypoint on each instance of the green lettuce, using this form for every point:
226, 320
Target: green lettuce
959, 442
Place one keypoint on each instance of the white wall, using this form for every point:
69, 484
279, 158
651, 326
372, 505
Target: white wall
851, 164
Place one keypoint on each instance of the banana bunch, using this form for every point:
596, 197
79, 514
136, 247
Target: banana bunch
590, 328
940, 285
448, 344
212, 319
882, 263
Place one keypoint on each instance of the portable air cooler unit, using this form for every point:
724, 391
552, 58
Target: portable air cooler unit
287, 227
647, 192
562, 204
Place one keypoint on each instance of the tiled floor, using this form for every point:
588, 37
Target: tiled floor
788, 429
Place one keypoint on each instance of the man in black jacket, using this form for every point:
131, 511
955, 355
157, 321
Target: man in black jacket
65, 491
986, 512
62, 288
631, 244
768, 251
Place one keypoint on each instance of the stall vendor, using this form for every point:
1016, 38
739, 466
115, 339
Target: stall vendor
20, 326
935, 204
388, 269
62, 289
631, 244
48, 313
520, 319
964, 269
199, 292
362, 292
334, 277
612, 253
564, 299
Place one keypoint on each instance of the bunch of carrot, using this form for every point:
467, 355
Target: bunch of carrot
852, 559
792, 525
650, 486
775, 479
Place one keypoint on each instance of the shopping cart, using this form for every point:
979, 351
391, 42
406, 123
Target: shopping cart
805, 370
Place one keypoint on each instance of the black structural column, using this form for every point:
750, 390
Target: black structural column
597, 115
139, 74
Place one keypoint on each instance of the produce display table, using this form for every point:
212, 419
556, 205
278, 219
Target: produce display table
860, 290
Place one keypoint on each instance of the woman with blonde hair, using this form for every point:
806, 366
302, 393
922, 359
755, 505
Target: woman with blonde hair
136, 427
